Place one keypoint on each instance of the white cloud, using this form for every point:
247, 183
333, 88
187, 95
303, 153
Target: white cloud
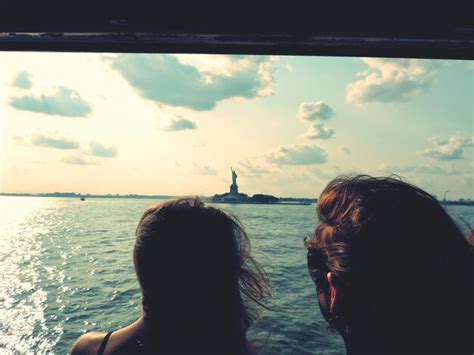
61, 102
196, 82
415, 168
345, 150
448, 149
100, 150
318, 131
313, 111
468, 64
79, 160
23, 80
298, 155
177, 124
391, 80
326, 174
54, 140
18, 140
250, 169
204, 169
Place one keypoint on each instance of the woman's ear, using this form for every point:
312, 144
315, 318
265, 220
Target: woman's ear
336, 292
337, 318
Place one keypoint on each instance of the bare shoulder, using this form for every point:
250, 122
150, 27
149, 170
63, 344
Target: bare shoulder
88, 343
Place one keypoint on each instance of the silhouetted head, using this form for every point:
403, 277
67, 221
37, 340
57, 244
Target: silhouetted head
200, 286
393, 271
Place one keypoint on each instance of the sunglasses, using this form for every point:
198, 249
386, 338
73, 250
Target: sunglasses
317, 269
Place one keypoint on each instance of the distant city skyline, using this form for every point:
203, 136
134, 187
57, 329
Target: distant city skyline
163, 124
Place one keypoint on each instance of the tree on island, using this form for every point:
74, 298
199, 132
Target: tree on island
264, 198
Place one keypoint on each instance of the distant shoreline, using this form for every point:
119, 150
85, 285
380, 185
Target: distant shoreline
282, 201
74, 195
457, 203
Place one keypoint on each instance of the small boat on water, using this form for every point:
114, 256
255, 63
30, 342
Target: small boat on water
83, 198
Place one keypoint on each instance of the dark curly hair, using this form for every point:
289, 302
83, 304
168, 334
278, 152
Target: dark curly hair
405, 264
201, 289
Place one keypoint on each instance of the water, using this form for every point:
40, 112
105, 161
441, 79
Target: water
66, 268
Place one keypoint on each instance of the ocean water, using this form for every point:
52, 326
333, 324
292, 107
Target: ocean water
66, 268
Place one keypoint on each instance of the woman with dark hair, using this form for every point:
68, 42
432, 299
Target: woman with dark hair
200, 286
393, 272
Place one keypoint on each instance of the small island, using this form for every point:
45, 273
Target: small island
234, 196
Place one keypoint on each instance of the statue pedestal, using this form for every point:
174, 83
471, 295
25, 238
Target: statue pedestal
234, 189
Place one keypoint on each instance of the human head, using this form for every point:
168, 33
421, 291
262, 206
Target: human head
199, 283
393, 269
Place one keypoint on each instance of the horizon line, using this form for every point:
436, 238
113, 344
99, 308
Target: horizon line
110, 195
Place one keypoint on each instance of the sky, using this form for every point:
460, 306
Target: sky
176, 124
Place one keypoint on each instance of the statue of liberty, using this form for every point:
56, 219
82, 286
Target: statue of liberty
234, 176
234, 189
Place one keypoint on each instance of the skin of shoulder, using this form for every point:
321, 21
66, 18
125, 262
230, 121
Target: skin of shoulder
88, 343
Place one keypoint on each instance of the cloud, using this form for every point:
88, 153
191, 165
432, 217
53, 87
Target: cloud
19, 140
177, 124
327, 174
391, 80
345, 150
318, 131
447, 149
464, 64
100, 150
54, 140
289, 68
199, 86
313, 111
250, 169
204, 169
427, 169
23, 80
413, 168
78, 160
298, 155
64, 102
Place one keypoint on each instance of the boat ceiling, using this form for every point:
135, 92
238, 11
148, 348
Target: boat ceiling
331, 28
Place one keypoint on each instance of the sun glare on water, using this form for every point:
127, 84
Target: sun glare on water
22, 300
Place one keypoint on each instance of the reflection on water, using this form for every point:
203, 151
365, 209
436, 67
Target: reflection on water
66, 268
23, 222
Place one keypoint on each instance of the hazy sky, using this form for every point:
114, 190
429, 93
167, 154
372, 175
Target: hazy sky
175, 124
